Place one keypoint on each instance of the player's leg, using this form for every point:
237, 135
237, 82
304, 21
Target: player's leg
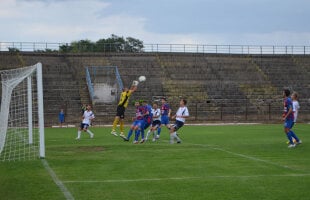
154, 132
148, 133
158, 132
79, 132
120, 112
172, 131
145, 126
164, 121
91, 134
129, 134
122, 117
295, 138
130, 131
178, 126
151, 130
121, 125
137, 134
115, 122
287, 126
142, 127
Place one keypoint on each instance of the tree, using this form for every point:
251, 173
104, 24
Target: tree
112, 44
82, 46
133, 45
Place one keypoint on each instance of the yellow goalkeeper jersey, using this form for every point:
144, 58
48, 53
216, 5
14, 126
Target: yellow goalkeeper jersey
125, 98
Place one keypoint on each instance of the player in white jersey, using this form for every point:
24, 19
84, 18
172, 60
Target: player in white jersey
180, 117
156, 121
295, 105
87, 117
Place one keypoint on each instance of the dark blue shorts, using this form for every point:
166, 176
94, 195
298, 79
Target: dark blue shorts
156, 123
177, 125
165, 119
139, 123
84, 126
289, 123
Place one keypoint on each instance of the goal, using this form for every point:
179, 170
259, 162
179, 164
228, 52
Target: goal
21, 116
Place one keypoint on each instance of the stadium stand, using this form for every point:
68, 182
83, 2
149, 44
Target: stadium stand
219, 87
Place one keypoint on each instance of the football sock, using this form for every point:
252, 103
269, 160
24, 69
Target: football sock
176, 137
294, 136
142, 134
116, 120
129, 134
158, 130
121, 125
171, 138
90, 133
79, 134
137, 133
289, 137
148, 134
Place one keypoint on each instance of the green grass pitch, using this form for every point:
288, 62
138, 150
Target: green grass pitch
213, 162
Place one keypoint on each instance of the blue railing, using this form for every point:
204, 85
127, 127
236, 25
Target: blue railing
118, 79
89, 84
91, 72
173, 48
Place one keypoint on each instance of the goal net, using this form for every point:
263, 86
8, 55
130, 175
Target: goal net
21, 116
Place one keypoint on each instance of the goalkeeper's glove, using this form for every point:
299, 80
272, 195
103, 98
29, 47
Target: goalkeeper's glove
135, 83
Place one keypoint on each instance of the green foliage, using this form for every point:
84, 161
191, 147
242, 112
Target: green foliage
112, 44
213, 162
46, 51
13, 49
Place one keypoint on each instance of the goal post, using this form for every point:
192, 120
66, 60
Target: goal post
22, 114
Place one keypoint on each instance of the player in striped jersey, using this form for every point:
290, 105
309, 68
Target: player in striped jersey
156, 121
138, 123
288, 118
148, 118
165, 115
121, 107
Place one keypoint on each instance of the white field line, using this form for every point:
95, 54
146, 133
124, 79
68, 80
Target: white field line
247, 157
244, 156
57, 181
204, 177
182, 178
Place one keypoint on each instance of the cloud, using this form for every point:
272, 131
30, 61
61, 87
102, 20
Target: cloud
49, 21
197, 22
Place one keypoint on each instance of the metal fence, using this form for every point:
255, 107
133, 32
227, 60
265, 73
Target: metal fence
173, 48
247, 113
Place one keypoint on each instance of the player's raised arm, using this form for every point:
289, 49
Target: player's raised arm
134, 86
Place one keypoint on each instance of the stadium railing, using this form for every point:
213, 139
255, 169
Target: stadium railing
173, 48
89, 84
119, 80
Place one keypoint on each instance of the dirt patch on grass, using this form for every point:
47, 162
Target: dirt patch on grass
90, 148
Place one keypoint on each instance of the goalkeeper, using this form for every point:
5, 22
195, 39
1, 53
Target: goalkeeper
121, 107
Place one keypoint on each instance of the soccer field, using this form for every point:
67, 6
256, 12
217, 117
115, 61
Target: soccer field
212, 162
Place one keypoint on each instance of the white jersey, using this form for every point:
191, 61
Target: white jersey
295, 109
88, 116
156, 112
182, 111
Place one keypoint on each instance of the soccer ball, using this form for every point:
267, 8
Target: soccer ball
142, 78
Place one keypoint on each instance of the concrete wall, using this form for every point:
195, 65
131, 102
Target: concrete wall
238, 88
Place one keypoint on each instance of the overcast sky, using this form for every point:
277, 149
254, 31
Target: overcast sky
246, 22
